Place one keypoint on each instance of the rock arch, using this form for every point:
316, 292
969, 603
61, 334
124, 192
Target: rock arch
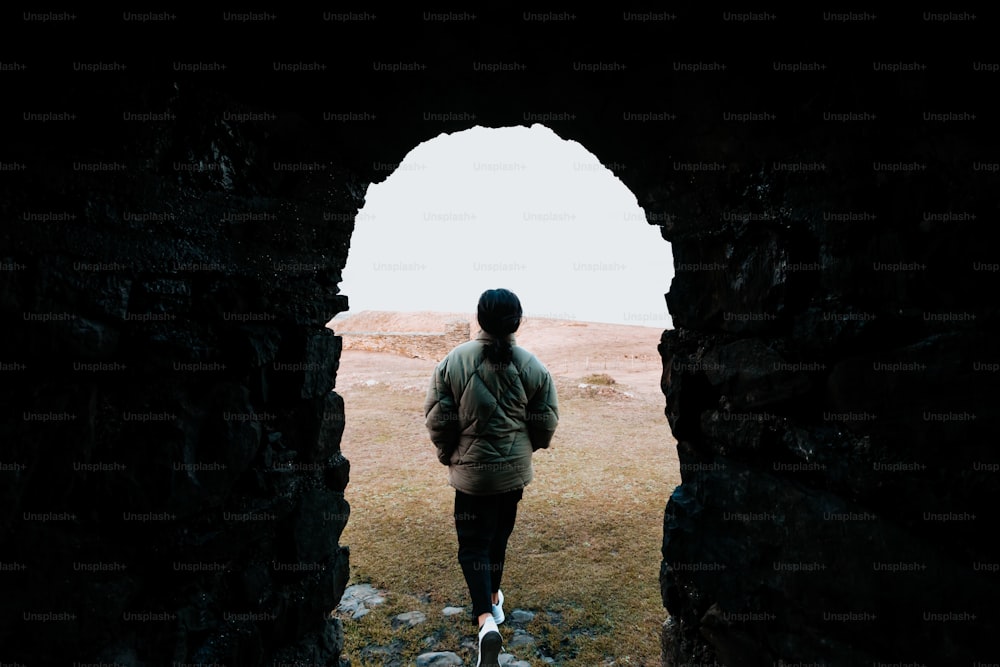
173, 240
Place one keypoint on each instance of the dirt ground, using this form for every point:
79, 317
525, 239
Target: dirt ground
590, 523
570, 349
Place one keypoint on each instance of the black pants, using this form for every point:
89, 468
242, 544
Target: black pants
484, 524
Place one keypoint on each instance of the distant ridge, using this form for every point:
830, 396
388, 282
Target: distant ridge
428, 320
389, 320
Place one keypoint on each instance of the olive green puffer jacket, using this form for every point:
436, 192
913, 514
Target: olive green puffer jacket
486, 421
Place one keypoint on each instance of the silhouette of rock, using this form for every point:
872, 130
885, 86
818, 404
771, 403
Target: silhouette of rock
174, 235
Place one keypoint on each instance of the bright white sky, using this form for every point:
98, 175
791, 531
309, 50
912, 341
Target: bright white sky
513, 207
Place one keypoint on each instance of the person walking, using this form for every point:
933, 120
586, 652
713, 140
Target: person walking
491, 404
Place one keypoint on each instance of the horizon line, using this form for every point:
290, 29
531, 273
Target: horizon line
471, 314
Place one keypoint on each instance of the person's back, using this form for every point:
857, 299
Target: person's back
487, 417
489, 407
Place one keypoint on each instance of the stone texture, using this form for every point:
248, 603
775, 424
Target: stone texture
823, 405
214, 515
520, 639
422, 345
408, 619
510, 660
358, 600
521, 616
439, 659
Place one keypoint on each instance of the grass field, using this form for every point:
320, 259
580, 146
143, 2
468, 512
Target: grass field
586, 544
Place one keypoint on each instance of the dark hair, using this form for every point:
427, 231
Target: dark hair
499, 314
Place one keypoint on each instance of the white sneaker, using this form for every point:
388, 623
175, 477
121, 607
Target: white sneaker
498, 614
490, 643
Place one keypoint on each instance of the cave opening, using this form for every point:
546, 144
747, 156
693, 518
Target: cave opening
176, 232
521, 208
516, 205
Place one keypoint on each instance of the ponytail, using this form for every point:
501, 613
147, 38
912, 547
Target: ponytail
499, 314
499, 351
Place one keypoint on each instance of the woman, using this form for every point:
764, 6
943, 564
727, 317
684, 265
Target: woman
490, 405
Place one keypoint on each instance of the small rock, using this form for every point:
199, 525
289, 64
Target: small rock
364, 592
521, 616
409, 619
509, 660
548, 660
453, 611
439, 659
521, 639
358, 599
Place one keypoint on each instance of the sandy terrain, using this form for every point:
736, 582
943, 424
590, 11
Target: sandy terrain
570, 349
588, 524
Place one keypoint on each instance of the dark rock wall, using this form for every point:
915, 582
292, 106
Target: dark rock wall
173, 485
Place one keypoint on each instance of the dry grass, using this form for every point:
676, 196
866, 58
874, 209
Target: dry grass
599, 378
586, 543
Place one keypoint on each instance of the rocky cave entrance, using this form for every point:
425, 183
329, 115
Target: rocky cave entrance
176, 234
522, 208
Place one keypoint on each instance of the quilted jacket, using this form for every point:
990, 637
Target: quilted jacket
487, 419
